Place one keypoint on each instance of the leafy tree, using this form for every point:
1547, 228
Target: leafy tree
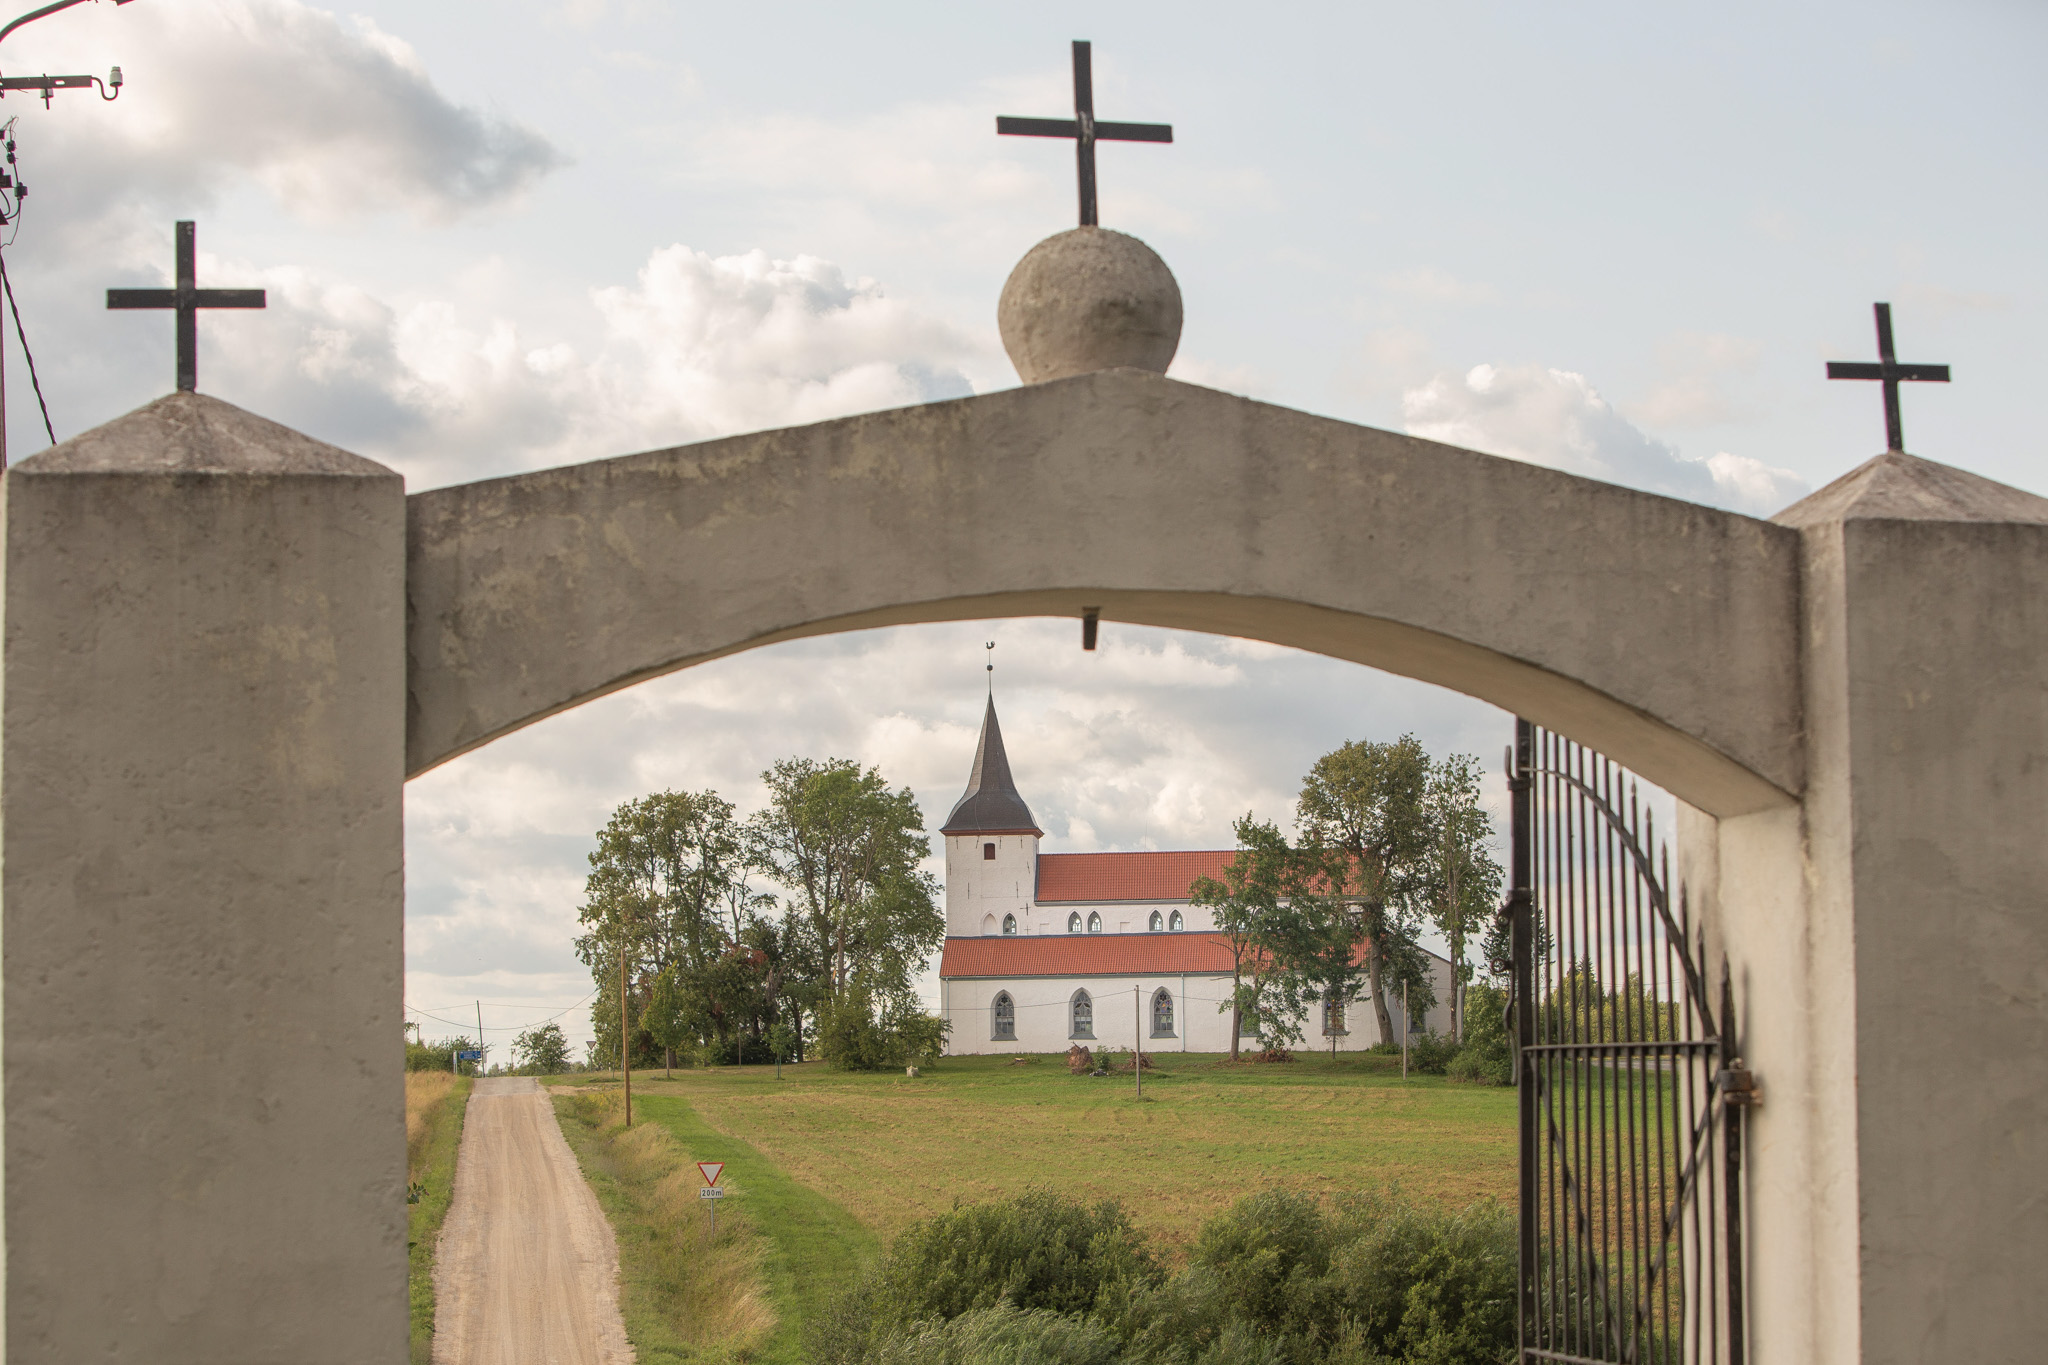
849, 849
667, 878
1292, 941
1365, 805
542, 1051
1461, 880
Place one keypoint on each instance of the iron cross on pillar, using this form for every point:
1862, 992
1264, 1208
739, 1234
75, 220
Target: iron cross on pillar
188, 298
1085, 131
1890, 372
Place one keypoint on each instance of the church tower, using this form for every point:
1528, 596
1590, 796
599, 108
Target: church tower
991, 846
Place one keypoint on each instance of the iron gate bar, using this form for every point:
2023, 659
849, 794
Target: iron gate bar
1625, 1075
1655, 892
1671, 1045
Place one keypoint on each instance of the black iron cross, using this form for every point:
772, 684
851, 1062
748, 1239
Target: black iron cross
188, 298
1085, 131
1890, 372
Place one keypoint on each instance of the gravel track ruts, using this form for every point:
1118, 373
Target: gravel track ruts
527, 1271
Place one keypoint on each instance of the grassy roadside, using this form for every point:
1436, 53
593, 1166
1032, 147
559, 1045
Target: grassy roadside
781, 1250
436, 1102
890, 1149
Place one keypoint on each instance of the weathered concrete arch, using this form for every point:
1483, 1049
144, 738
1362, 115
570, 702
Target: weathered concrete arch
1663, 633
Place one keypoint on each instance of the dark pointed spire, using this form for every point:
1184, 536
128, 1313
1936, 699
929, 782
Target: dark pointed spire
991, 804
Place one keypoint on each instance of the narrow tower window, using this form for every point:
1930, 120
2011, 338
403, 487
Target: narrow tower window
1074, 922
988, 853
1009, 924
1158, 922
1094, 923
1003, 1016
1175, 922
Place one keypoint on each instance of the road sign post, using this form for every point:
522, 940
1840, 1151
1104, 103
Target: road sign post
711, 1194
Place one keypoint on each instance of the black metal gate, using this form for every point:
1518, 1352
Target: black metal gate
1631, 1090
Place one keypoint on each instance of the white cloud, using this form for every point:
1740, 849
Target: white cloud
697, 346
334, 118
1555, 418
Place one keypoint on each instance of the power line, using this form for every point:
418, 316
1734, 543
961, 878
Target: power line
34, 380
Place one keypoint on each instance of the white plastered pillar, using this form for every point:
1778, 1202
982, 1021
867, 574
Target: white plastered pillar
1889, 936
201, 767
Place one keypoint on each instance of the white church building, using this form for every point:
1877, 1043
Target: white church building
1044, 950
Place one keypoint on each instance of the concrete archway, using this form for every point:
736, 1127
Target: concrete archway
227, 645
1663, 633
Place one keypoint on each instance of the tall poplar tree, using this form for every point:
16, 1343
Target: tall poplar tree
1462, 879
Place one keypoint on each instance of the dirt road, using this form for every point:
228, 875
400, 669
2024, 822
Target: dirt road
527, 1272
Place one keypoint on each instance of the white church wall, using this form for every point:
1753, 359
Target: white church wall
1043, 1010
1122, 917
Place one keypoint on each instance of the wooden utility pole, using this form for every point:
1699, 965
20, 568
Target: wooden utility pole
1138, 1038
625, 1038
1406, 1029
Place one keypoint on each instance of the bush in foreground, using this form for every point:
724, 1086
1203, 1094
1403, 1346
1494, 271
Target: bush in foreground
1037, 1251
1278, 1280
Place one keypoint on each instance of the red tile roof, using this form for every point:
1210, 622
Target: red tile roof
1127, 876
1087, 954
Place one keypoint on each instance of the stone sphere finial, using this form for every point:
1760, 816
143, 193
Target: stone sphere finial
1089, 299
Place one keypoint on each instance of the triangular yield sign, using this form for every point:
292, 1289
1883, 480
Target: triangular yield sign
711, 1170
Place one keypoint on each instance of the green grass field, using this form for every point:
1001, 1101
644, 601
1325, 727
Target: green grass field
886, 1149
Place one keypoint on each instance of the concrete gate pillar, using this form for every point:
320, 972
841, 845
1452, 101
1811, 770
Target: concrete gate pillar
201, 767
1889, 937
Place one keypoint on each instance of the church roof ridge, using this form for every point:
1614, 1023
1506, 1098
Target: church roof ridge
991, 803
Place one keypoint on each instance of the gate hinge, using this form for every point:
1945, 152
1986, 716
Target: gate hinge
1738, 1086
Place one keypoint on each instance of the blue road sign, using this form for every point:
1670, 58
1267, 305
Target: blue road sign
470, 1056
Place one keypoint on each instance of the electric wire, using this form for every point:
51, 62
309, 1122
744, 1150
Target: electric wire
35, 381
501, 1028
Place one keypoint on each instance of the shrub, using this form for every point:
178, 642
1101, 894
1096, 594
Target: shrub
1037, 1251
851, 1038
1002, 1335
1487, 1057
740, 1050
1424, 1285
1430, 1053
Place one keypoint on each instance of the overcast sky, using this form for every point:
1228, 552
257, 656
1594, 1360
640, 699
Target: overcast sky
1614, 238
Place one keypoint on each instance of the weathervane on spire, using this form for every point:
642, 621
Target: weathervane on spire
991, 647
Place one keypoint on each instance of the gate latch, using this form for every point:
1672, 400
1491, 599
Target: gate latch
1738, 1086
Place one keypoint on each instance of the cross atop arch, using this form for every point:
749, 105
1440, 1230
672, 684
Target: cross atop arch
1084, 129
1889, 372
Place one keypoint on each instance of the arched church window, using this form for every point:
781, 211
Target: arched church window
988, 924
1094, 923
1082, 1012
1162, 1013
1158, 922
1175, 923
1333, 1018
1009, 924
1074, 922
1003, 1017
988, 853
